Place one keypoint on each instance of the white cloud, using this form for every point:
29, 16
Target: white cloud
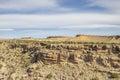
27, 4
55, 5
83, 20
2, 29
111, 5
31, 5
93, 26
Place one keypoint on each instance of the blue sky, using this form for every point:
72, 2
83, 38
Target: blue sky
42, 18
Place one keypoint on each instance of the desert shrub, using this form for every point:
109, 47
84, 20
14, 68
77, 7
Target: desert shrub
36, 79
114, 75
2, 58
25, 64
37, 68
9, 78
96, 70
1, 66
81, 73
43, 47
49, 76
96, 78
97, 42
79, 42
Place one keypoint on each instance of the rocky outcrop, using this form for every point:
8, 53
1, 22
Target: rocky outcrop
92, 53
63, 53
55, 57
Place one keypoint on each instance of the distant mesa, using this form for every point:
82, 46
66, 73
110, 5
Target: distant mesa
80, 38
97, 38
58, 37
81, 35
27, 38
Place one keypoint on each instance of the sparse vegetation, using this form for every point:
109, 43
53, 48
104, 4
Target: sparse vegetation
96, 78
49, 76
17, 56
114, 75
1, 66
2, 58
96, 70
36, 79
37, 68
81, 73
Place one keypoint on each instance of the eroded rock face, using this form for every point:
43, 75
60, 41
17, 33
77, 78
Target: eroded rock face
54, 57
95, 47
71, 53
62, 53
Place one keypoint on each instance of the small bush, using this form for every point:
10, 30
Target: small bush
96, 78
37, 68
96, 70
81, 73
1, 66
35, 79
114, 75
49, 76
2, 58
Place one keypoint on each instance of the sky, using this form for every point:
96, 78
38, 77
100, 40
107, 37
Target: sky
42, 18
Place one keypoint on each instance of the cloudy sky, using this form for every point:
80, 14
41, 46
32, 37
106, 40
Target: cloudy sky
42, 18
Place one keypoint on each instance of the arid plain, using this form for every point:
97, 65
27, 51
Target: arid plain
83, 57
